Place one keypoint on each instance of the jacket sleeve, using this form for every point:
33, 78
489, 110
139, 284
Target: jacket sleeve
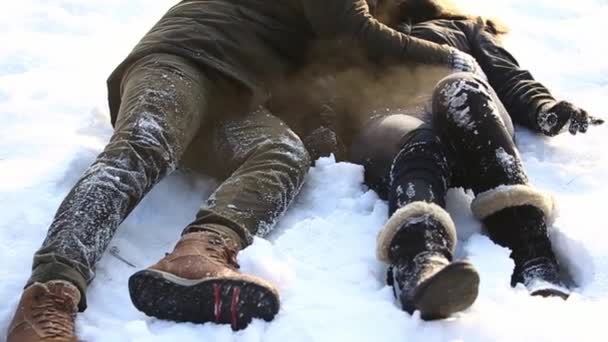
522, 96
330, 18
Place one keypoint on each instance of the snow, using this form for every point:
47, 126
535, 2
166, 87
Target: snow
508, 162
54, 59
411, 192
455, 101
548, 120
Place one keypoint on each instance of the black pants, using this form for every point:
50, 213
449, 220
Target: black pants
468, 142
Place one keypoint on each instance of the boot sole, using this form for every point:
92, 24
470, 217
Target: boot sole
226, 300
450, 290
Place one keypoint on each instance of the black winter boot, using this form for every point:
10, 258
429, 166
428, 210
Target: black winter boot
518, 221
418, 242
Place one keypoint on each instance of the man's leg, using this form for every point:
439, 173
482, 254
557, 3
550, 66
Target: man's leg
162, 101
409, 160
469, 116
267, 163
199, 281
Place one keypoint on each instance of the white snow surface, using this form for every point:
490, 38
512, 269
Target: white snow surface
54, 60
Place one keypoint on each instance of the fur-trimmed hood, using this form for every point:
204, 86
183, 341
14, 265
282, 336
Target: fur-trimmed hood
395, 12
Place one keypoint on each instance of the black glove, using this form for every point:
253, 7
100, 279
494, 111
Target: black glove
564, 115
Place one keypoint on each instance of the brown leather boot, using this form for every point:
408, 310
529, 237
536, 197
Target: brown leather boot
199, 282
46, 313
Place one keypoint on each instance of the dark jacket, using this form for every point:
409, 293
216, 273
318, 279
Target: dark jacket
519, 92
257, 42
357, 91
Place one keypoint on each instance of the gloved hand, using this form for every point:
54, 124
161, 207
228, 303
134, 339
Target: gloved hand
462, 61
564, 115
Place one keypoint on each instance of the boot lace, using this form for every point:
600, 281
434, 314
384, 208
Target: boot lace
53, 315
222, 251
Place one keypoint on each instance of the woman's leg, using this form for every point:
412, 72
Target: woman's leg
406, 160
163, 102
468, 115
199, 281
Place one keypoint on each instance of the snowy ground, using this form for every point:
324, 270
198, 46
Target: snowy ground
54, 59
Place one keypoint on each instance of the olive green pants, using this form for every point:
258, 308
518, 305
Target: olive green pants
172, 111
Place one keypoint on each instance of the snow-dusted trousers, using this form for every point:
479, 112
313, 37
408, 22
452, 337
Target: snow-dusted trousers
166, 103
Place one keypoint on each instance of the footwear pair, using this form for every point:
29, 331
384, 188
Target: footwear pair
419, 240
198, 282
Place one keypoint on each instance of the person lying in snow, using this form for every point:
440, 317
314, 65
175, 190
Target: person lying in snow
199, 71
419, 130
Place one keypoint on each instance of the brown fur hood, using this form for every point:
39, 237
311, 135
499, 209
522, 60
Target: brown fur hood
395, 12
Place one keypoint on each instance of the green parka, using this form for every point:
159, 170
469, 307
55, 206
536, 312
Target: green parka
258, 42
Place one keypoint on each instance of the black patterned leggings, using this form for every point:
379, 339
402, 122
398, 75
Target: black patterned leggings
468, 143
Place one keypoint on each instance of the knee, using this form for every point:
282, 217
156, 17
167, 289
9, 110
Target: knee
285, 152
423, 152
145, 147
456, 97
454, 91
259, 142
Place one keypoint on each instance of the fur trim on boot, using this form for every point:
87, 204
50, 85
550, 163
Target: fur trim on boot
401, 216
506, 196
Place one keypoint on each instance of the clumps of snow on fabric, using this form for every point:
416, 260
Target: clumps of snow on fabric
399, 191
266, 163
431, 194
455, 95
109, 189
508, 163
411, 191
547, 121
542, 274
